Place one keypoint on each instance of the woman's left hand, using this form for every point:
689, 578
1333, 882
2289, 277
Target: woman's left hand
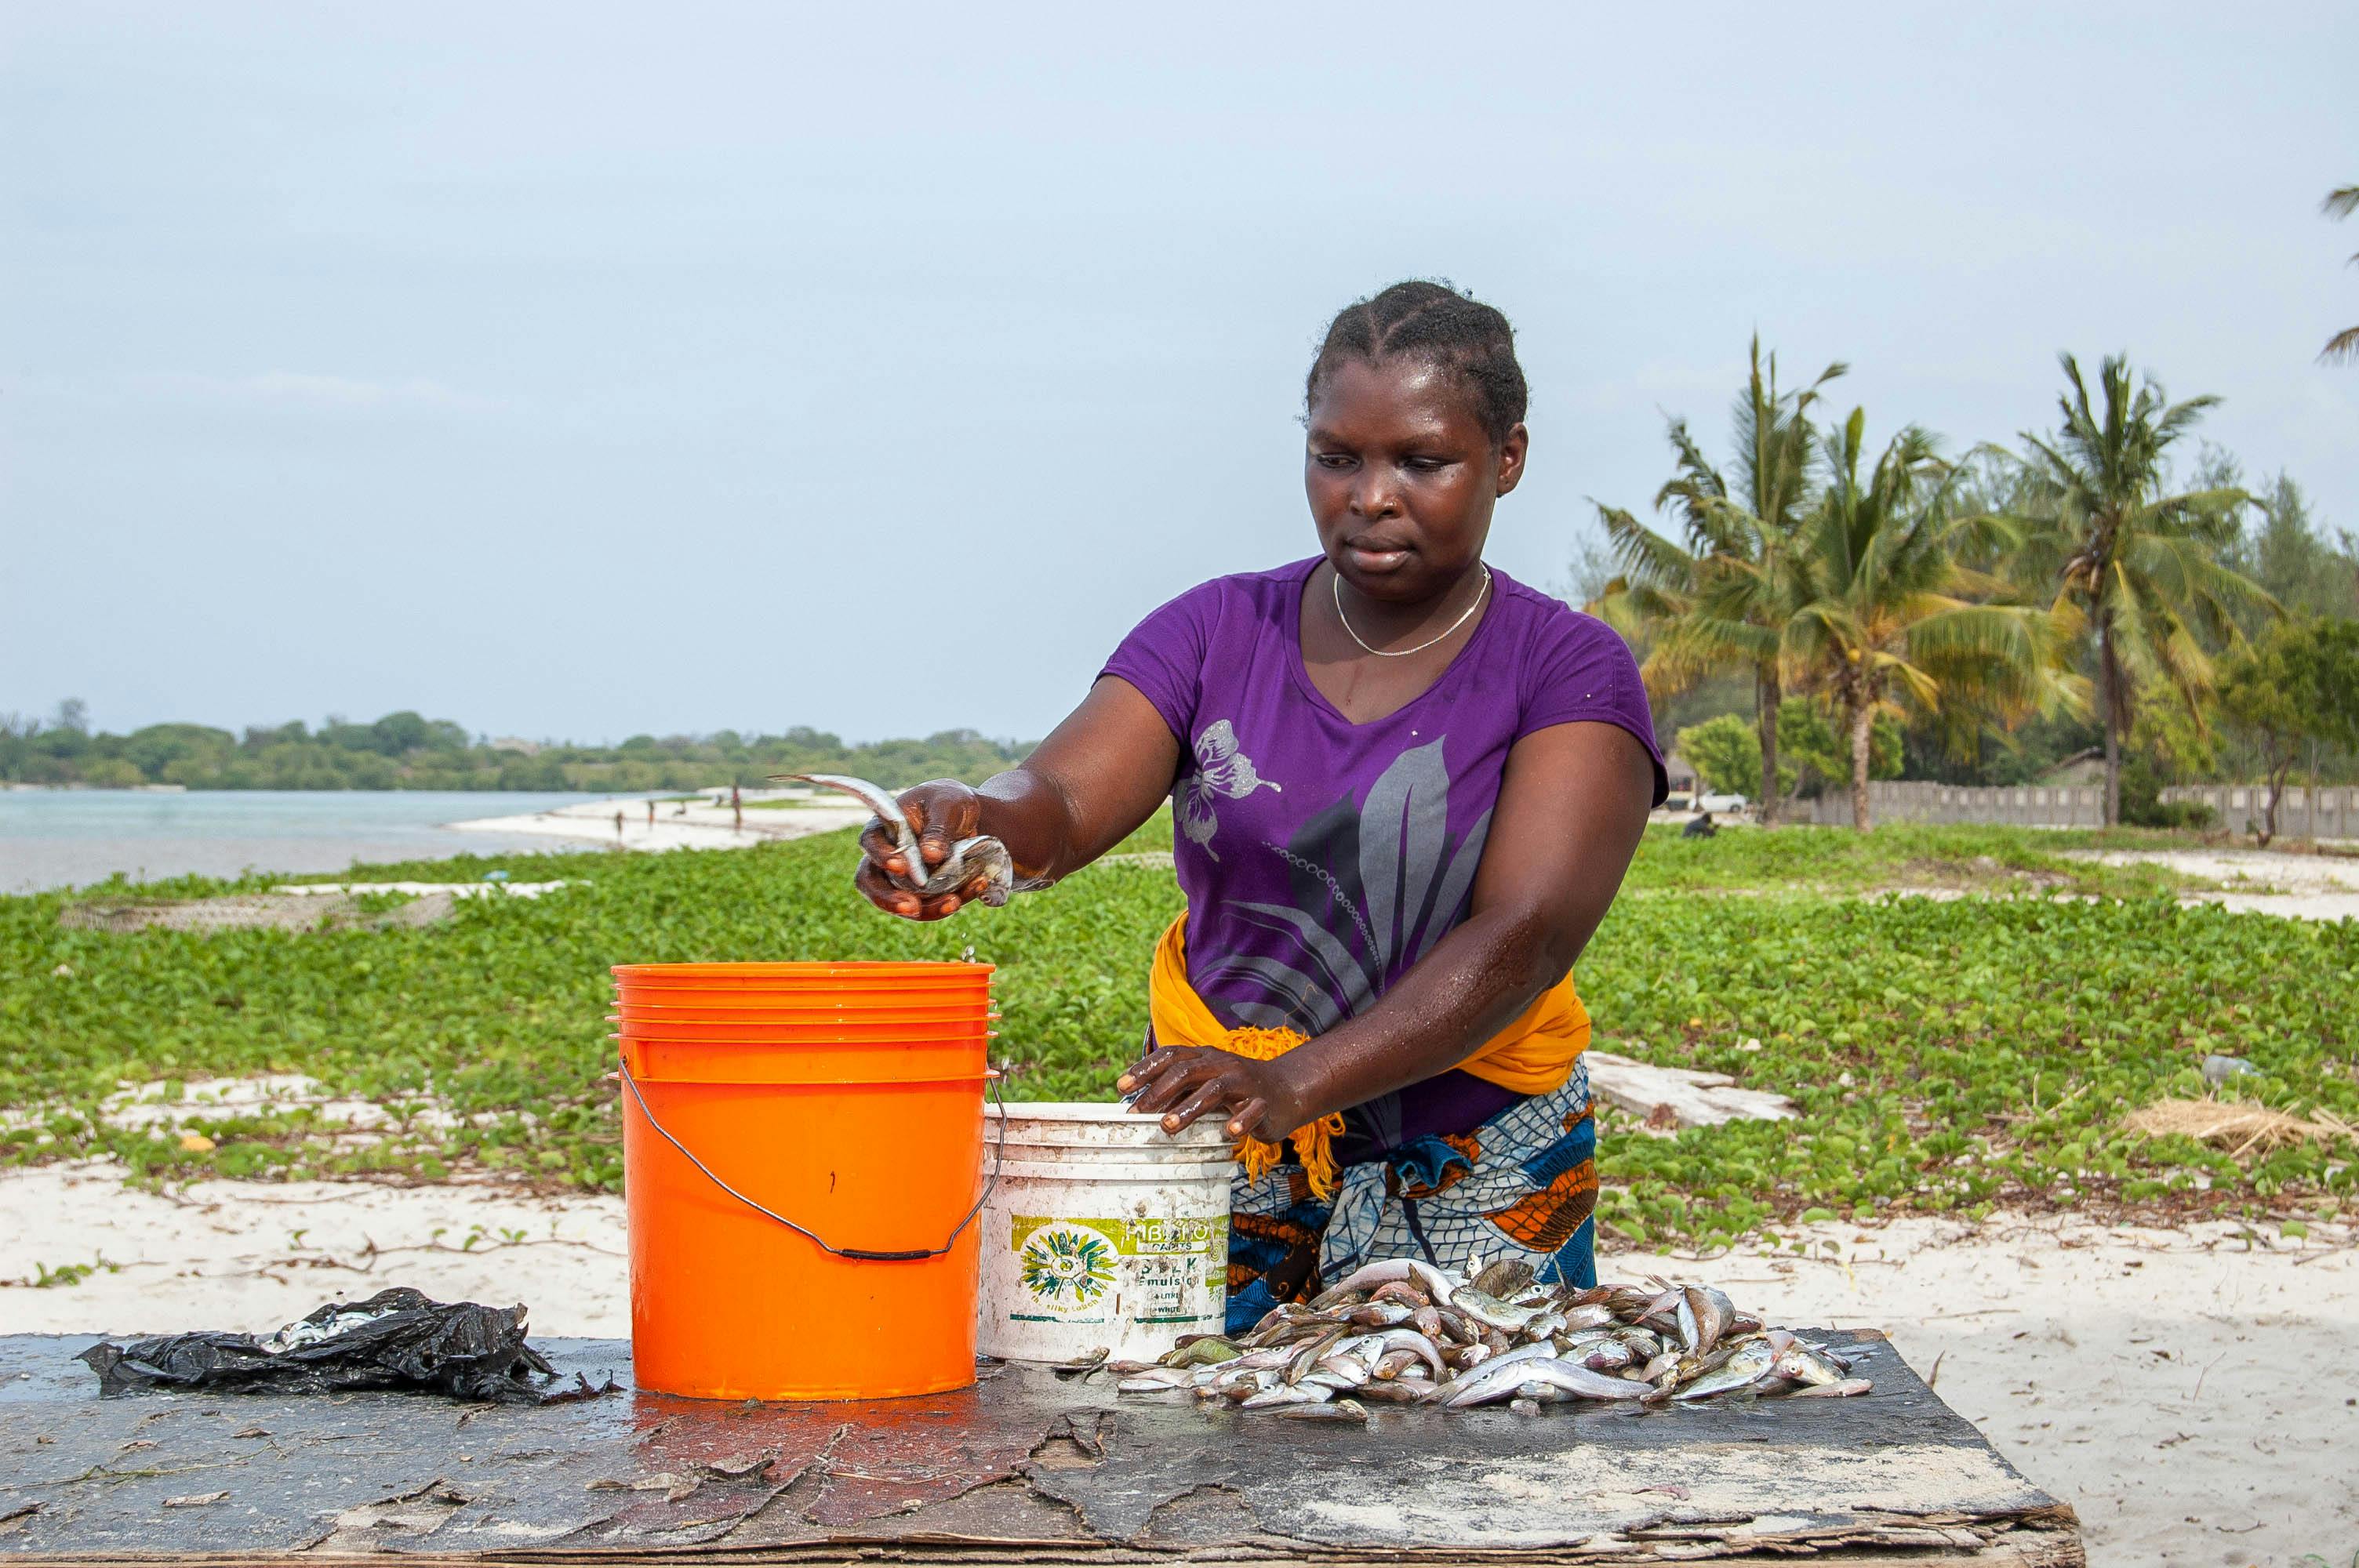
1188, 1082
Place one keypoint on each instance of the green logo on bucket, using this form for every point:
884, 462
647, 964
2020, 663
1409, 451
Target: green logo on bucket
1136, 1238
1065, 1265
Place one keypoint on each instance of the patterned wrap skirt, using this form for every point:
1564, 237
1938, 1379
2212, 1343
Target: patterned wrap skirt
1522, 1183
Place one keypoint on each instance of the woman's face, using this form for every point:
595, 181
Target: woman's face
1402, 477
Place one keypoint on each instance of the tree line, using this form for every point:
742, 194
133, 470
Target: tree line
406, 750
1891, 611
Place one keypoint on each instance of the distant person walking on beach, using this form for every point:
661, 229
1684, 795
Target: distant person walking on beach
618, 827
651, 814
737, 807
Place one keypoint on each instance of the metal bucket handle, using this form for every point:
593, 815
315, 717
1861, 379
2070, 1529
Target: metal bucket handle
860, 1253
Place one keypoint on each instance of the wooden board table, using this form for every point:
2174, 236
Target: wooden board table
1025, 1467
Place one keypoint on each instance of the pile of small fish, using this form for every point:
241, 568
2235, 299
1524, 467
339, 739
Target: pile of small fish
1404, 1332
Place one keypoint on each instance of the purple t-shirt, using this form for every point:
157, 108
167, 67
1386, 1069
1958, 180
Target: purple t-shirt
1321, 858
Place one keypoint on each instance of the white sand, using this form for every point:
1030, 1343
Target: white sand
2305, 887
229, 1255
2194, 1394
689, 824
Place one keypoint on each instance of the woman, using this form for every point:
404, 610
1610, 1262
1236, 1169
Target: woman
1406, 791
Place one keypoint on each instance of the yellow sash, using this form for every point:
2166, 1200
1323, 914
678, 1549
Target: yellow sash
1533, 1056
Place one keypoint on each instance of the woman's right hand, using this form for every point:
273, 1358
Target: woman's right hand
941, 813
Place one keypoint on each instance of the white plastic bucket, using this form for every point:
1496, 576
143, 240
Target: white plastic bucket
1103, 1231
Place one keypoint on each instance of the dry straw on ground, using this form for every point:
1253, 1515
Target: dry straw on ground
2239, 1129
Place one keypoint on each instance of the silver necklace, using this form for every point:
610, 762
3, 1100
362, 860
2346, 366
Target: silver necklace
1335, 581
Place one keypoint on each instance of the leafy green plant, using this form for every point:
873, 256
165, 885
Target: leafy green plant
46, 1278
1943, 1055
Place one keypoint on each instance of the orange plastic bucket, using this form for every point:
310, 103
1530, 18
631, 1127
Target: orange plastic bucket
830, 977
794, 1017
815, 1030
698, 1060
802, 1212
722, 1062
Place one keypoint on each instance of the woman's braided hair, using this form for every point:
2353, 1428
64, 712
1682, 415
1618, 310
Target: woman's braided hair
1433, 321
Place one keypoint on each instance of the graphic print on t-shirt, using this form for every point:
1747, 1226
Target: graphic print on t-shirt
1371, 889
1220, 770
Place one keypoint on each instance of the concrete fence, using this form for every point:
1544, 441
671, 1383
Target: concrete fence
2024, 806
2304, 812
2331, 813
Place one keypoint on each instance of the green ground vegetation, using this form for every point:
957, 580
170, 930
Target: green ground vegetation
1945, 1053
406, 750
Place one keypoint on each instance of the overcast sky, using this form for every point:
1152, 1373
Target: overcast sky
573, 371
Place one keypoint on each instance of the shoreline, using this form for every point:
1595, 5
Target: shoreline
678, 824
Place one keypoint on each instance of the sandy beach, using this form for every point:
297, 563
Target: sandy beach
2191, 1392
695, 823
2261, 881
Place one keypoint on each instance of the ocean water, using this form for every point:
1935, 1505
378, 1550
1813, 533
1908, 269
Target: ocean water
51, 839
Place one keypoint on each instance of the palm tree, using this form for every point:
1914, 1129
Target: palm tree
1894, 615
1721, 600
2138, 567
2345, 345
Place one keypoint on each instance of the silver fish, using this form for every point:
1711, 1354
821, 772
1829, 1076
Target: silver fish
1311, 1353
1841, 1389
979, 854
1491, 1311
1803, 1365
1338, 1409
1751, 1363
1607, 1356
1703, 1315
1397, 1339
1500, 1382
1289, 1394
1377, 1315
1504, 1279
1144, 1384
1391, 1270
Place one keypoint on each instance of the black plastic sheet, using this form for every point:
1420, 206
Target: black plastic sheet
397, 1339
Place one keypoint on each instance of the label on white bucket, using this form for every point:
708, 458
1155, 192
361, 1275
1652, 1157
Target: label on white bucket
1170, 1274
1077, 1257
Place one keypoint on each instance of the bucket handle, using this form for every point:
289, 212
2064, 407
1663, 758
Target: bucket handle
860, 1254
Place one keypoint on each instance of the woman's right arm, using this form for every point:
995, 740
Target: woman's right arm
1083, 790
